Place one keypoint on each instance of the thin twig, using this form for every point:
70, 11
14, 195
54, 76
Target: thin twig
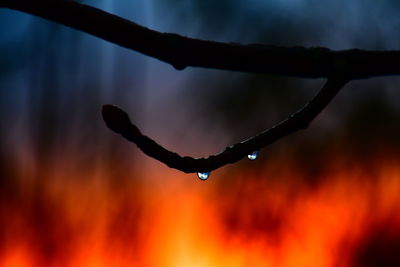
181, 52
118, 121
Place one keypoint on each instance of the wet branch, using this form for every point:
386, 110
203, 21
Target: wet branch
181, 52
118, 121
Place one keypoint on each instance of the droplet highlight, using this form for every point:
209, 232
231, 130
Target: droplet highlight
253, 155
203, 175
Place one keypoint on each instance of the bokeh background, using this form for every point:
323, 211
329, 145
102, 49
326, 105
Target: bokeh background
72, 193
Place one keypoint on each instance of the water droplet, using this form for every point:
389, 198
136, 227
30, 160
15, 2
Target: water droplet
253, 155
203, 175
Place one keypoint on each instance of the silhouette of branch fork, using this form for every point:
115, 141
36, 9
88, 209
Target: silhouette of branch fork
182, 52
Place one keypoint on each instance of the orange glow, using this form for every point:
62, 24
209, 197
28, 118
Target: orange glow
266, 217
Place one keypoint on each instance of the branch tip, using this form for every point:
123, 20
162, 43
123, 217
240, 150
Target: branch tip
118, 120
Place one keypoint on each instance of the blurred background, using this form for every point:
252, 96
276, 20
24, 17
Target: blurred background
72, 193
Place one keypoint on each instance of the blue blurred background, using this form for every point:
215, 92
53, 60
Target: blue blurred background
53, 79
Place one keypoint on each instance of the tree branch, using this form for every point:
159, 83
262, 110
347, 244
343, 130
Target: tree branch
118, 121
181, 51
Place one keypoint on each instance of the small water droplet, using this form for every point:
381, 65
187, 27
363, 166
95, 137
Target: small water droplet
253, 155
203, 175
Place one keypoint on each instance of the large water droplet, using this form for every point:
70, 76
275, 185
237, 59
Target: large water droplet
253, 155
203, 175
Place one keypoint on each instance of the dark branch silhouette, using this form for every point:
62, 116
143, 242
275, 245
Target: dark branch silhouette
338, 67
181, 51
118, 121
